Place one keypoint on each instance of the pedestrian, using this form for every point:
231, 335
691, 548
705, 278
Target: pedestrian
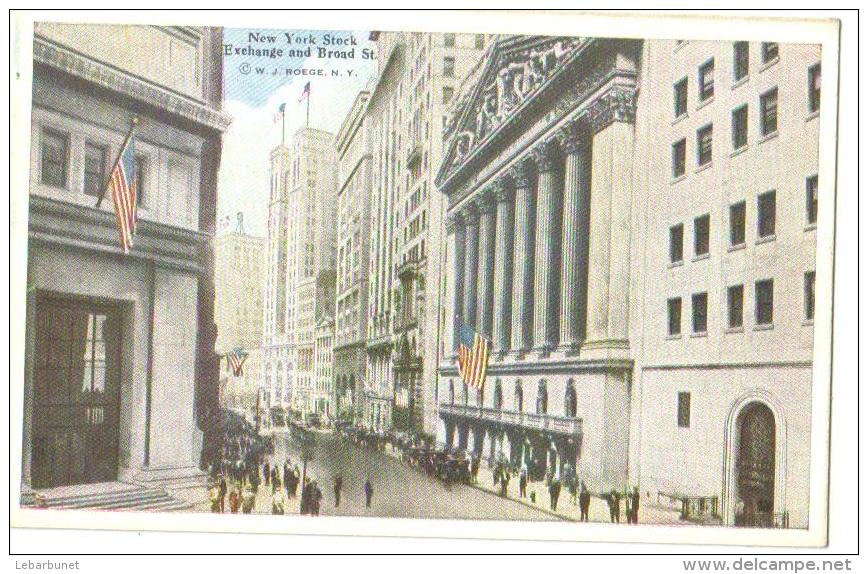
504, 482
223, 489
234, 500
369, 492
614, 500
339, 484
266, 472
248, 501
635, 505
278, 501
522, 482
214, 497
316, 497
554, 493
584, 502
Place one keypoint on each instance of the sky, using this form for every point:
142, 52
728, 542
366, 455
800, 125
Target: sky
255, 85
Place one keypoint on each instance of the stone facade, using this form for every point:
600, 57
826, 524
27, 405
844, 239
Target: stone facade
158, 301
561, 197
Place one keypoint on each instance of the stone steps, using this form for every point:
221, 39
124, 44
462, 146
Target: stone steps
133, 498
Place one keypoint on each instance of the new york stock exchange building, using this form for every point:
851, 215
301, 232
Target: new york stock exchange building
570, 189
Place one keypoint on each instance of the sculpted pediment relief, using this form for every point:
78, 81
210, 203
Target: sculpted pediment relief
516, 69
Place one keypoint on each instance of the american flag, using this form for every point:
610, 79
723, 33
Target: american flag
473, 353
123, 188
305, 93
236, 361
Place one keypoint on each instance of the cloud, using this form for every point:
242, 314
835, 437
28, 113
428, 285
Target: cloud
244, 178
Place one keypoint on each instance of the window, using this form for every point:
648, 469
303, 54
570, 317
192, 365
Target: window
766, 214
809, 295
769, 112
676, 243
706, 80
811, 199
679, 157
449, 66
140, 168
55, 153
479, 41
699, 306
703, 145
449, 40
94, 169
701, 227
684, 410
740, 60
570, 400
770, 52
447, 94
673, 309
739, 127
681, 98
735, 306
764, 298
736, 223
814, 88
542, 399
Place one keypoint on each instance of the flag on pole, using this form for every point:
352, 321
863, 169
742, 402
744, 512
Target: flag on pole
473, 353
280, 111
305, 93
236, 361
122, 184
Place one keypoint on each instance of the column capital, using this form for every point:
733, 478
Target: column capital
503, 192
616, 105
485, 200
573, 136
521, 173
545, 154
470, 214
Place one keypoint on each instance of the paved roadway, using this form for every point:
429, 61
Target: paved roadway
399, 490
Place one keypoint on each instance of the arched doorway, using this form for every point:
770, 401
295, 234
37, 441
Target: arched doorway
754, 488
755, 467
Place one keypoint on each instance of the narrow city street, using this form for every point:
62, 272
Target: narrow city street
399, 490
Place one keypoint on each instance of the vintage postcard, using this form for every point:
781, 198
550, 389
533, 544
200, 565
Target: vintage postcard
571, 280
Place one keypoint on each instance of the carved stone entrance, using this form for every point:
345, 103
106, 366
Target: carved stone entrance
755, 467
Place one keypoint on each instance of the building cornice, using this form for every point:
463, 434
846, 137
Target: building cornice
70, 62
80, 227
569, 365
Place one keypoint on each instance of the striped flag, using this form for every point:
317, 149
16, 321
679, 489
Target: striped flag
280, 112
305, 93
236, 361
122, 184
473, 353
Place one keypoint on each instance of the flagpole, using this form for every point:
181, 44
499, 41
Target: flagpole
307, 115
134, 123
282, 128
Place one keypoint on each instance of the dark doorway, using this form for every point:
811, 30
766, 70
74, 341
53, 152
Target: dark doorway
755, 467
76, 394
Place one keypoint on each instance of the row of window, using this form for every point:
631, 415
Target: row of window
763, 307
54, 164
766, 223
741, 69
542, 397
704, 135
478, 40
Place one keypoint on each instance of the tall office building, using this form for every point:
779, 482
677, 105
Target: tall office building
353, 248
649, 299
418, 77
238, 273
300, 272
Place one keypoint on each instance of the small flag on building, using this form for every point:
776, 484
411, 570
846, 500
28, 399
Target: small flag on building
473, 353
305, 93
122, 184
236, 361
280, 112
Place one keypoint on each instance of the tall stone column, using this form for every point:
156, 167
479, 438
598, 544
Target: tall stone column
611, 119
471, 239
485, 276
455, 232
546, 194
502, 269
574, 243
523, 255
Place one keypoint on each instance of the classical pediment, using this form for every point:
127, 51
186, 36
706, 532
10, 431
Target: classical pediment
516, 69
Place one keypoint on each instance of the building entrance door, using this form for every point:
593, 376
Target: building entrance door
755, 467
76, 392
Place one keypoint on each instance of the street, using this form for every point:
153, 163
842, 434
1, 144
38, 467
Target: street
399, 490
